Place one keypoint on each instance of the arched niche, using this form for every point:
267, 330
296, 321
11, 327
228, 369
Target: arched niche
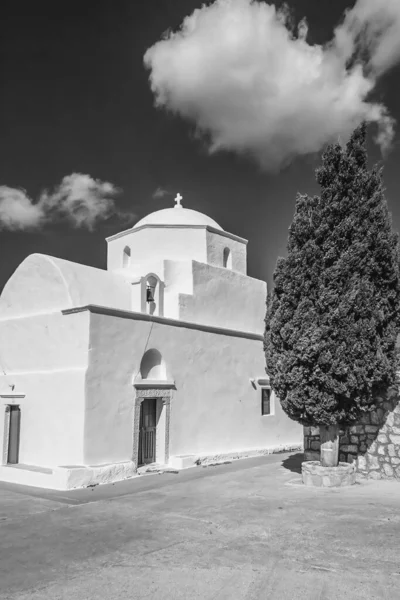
152, 365
126, 257
152, 294
227, 258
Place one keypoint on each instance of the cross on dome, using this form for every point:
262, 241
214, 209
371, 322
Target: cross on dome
178, 201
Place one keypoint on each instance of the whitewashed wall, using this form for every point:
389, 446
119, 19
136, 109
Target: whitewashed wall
44, 358
214, 407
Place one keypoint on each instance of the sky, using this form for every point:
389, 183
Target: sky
108, 109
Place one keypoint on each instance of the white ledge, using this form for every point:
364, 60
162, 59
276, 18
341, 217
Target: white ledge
154, 383
136, 316
232, 236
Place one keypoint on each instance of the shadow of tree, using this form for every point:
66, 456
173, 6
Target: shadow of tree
293, 462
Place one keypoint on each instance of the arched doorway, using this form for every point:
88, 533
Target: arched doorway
152, 410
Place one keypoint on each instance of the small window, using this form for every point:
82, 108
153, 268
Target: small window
266, 401
227, 259
126, 257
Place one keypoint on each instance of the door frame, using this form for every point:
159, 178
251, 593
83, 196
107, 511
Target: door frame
143, 431
163, 397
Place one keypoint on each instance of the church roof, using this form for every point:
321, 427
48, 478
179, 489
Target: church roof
177, 216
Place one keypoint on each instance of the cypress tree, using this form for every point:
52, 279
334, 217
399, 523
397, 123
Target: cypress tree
333, 317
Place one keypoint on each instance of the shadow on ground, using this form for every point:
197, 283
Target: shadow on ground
293, 462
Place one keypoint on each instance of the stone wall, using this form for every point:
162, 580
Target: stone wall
373, 443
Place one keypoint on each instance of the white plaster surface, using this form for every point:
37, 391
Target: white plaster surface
152, 245
216, 244
178, 215
224, 298
75, 371
68, 478
43, 283
45, 357
214, 408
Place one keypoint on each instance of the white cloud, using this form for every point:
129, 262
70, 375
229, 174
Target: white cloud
254, 86
371, 29
160, 193
17, 211
79, 200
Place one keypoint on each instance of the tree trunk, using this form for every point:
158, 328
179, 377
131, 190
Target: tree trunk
329, 438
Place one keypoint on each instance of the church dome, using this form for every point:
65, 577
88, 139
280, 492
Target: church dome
177, 216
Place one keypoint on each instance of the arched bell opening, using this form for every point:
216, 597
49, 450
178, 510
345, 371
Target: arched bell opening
152, 295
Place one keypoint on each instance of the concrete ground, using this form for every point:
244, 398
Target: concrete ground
244, 531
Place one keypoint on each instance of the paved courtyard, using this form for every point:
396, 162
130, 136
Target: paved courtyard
245, 530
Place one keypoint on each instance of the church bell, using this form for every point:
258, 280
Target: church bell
149, 294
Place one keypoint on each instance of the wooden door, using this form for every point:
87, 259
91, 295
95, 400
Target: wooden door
13, 438
147, 431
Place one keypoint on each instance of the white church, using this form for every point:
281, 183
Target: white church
157, 360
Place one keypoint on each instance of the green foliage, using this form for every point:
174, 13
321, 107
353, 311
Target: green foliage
333, 318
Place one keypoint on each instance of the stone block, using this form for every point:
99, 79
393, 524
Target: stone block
356, 429
381, 450
373, 462
311, 455
374, 475
365, 419
389, 406
315, 445
396, 430
316, 481
314, 430
395, 439
371, 428
395, 461
388, 470
354, 439
391, 450
344, 440
373, 448
306, 430
363, 447
396, 419
349, 448
314, 474
375, 420
390, 420
351, 458
382, 438
362, 463
342, 457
